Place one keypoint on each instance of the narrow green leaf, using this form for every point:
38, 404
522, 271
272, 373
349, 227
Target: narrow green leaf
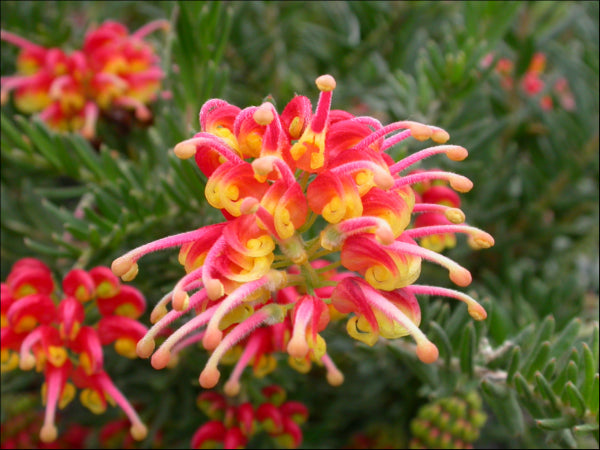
566, 338
191, 179
595, 339
81, 234
586, 428
589, 370
445, 341
109, 164
527, 396
8, 129
572, 372
557, 423
87, 156
546, 391
72, 248
467, 349
431, 311
496, 390
504, 403
536, 360
513, 366
427, 373
443, 314
223, 34
456, 321
575, 398
128, 173
174, 194
64, 215
97, 219
44, 249
433, 54
68, 163
565, 438
61, 192
592, 399
545, 331
525, 334
550, 369
43, 143
107, 203
93, 237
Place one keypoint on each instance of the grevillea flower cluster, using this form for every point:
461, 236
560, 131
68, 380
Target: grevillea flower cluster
113, 70
318, 227
115, 434
232, 425
21, 421
50, 332
532, 82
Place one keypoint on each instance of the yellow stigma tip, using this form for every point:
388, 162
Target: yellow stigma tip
232, 388
461, 184
455, 215
138, 432
427, 352
477, 312
419, 131
160, 359
325, 83
184, 150
263, 115
158, 313
131, 273
457, 153
145, 347
385, 235
383, 180
165, 25
461, 277
262, 166
121, 266
335, 378
209, 377
181, 300
483, 241
440, 136
27, 362
297, 348
214, 289
212, 338
48, 433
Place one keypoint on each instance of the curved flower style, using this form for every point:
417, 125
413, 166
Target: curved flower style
231, 426
256, 285
113, 70
42, 332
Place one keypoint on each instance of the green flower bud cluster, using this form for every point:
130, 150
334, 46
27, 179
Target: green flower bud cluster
450, 422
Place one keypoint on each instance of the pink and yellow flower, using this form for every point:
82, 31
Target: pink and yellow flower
114, 69
233, 425
47, 331
318, 227
532, 83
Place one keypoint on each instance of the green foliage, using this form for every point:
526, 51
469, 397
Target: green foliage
534, 360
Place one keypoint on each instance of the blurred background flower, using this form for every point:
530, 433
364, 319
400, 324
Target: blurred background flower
532, 158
